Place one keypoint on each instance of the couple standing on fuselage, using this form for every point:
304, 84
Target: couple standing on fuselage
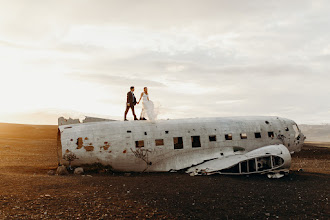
147, 105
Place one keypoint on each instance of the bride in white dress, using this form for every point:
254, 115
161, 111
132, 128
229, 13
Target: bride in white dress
147, 106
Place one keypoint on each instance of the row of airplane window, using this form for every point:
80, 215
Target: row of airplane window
195, 140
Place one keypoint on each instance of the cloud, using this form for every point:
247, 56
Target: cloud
117, 81
210, 58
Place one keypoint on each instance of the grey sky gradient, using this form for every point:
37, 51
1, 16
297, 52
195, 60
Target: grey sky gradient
198, 58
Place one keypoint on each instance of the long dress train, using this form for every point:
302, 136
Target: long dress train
147, 108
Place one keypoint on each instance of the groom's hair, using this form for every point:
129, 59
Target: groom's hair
132, 87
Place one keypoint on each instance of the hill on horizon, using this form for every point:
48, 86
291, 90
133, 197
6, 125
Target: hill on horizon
318, 133
26, 131
314, 133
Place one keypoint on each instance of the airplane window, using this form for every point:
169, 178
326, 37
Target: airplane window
145, 133
238, 149
159, 142
195, 140
257, 135
243, 136
271, 134
286, 129
229, 136
213, 138
166, 132
139, 144
178, 143
129, 131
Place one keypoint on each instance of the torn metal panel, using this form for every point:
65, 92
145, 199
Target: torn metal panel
69, 121
63, 121
165, 145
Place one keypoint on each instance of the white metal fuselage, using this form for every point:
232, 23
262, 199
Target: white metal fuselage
156, 146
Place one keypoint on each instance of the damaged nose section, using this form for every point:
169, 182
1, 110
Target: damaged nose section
298, 143
274, 160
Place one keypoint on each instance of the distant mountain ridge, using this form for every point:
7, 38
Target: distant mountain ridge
24, 131
317, 133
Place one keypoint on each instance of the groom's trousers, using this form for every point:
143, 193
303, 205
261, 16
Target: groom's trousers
127, 109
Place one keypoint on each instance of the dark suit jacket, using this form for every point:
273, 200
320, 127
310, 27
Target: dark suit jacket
131, 99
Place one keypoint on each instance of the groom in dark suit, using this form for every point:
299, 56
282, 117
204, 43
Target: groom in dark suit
131, 102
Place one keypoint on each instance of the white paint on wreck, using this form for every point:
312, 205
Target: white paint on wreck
213, 144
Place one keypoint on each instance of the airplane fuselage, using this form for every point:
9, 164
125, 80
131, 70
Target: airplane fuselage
176, 144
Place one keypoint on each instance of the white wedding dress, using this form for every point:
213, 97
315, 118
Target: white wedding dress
148, 110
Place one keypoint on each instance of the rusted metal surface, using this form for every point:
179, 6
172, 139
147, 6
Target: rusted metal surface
149, 146
79, 143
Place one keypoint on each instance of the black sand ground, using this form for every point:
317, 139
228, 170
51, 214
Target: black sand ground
27, 192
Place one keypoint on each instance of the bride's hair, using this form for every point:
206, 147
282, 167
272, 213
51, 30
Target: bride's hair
145, 89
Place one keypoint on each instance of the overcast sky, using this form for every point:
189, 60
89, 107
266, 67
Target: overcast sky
198, 58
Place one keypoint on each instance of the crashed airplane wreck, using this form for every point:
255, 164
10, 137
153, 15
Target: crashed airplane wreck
200, 146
